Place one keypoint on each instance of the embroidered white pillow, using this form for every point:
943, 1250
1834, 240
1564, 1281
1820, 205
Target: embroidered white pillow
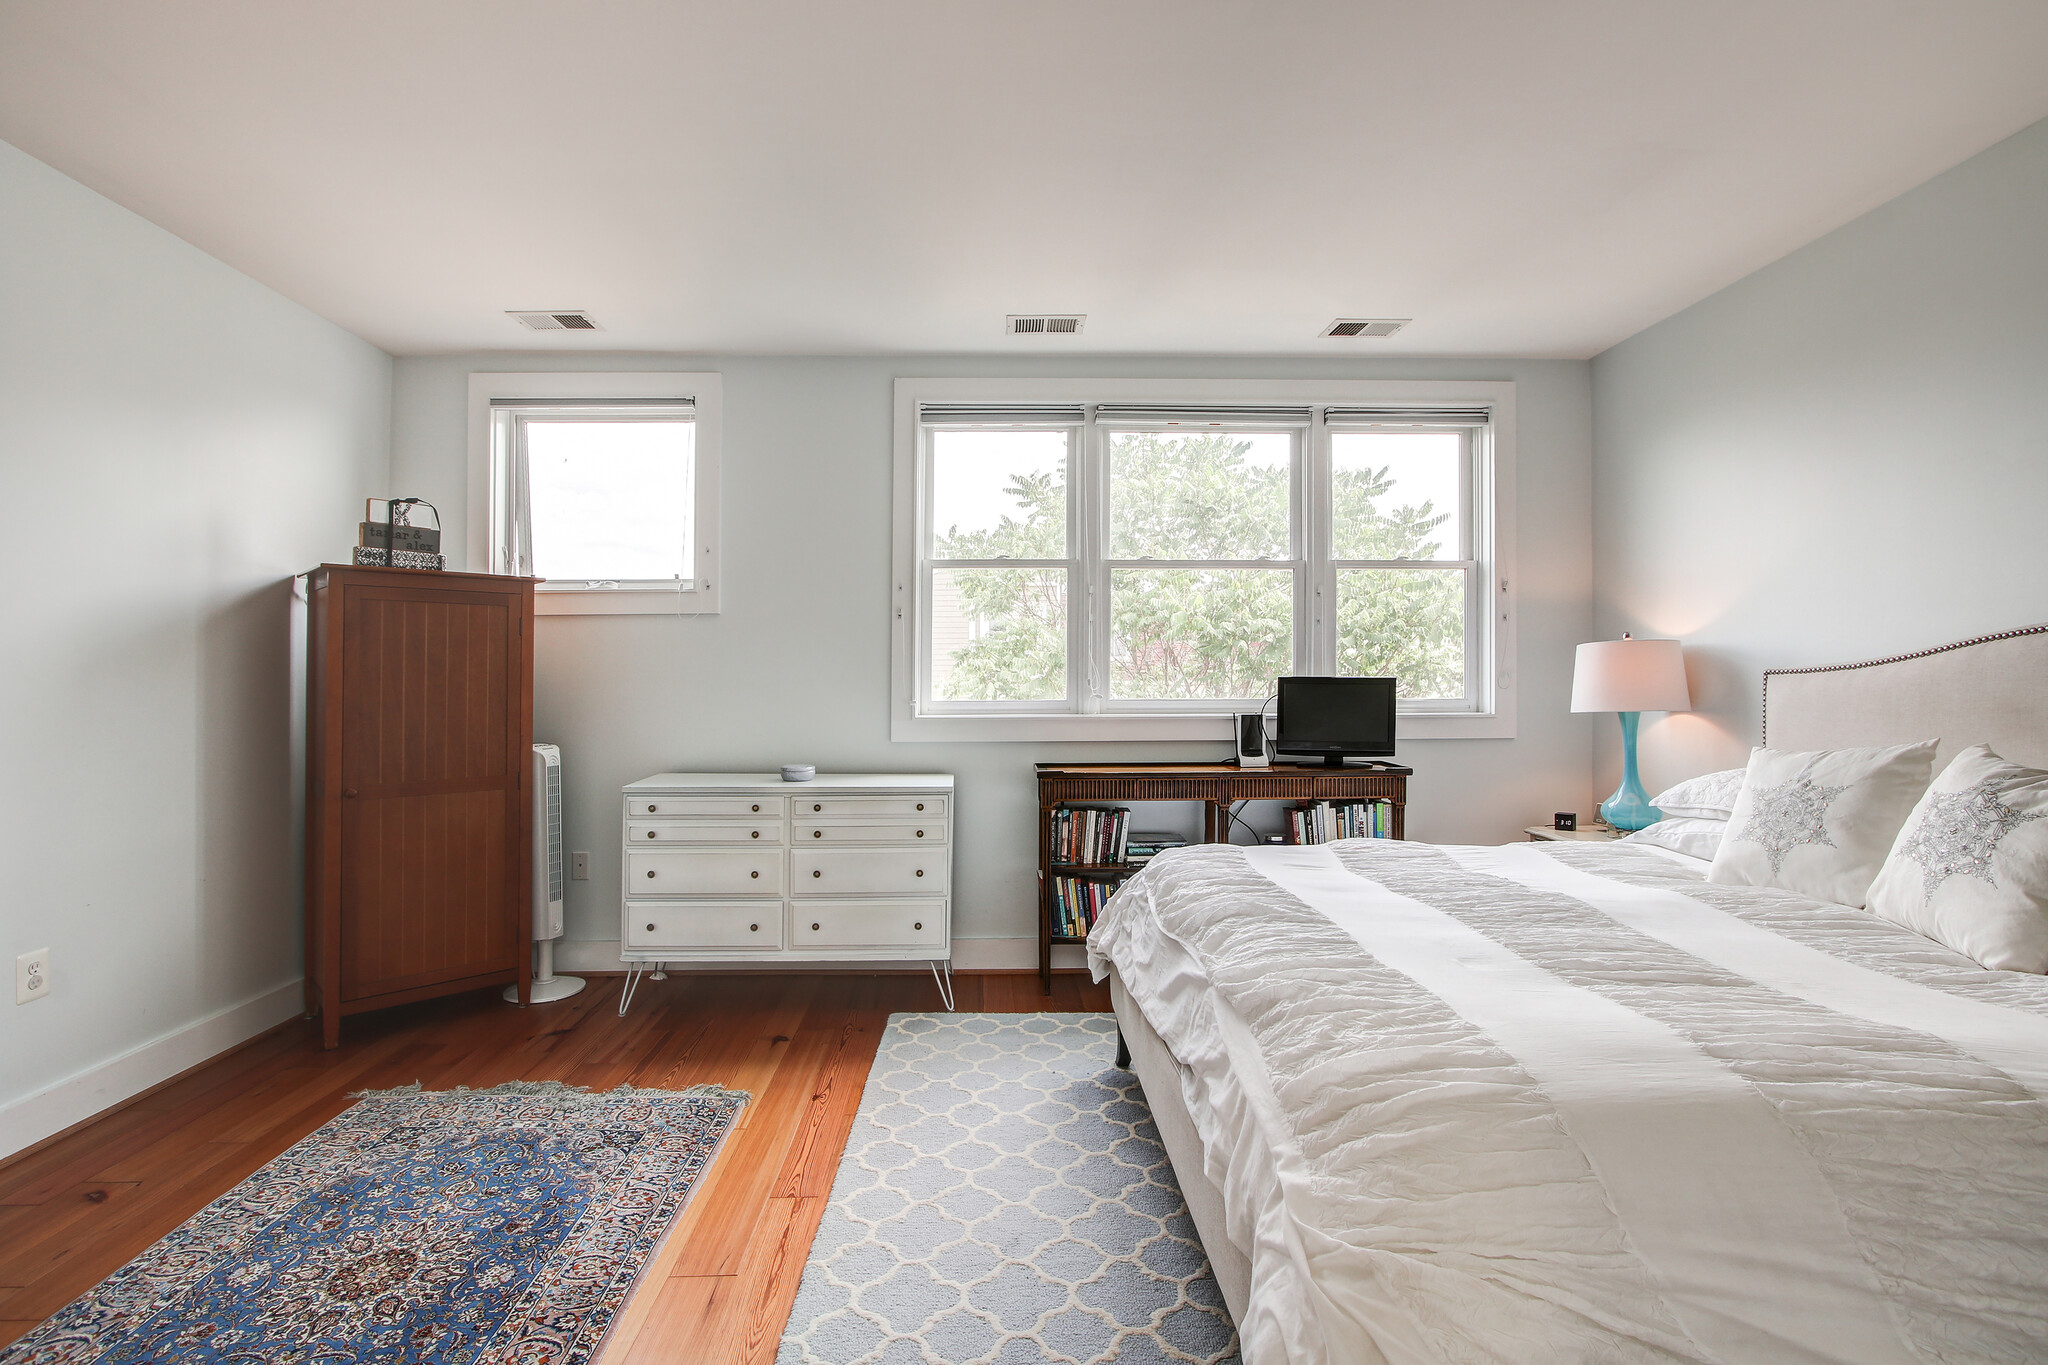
1687, 834
1821, 823
1970, 869
1708, 797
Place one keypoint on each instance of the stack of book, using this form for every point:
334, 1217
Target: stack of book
1142, 848
1319, 822
1090, 835
1076, 901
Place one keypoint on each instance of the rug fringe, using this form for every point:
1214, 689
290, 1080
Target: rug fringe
558, 1091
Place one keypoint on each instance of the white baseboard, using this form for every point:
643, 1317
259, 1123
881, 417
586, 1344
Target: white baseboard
969, 955
30, 1119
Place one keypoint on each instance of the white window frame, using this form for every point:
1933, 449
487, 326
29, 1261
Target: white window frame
1489, 523
489, 530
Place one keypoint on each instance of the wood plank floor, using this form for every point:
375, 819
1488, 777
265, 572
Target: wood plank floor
720, 1288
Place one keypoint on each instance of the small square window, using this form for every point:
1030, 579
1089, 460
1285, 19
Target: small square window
604, 486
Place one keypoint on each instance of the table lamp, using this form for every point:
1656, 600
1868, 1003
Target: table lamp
1630, 676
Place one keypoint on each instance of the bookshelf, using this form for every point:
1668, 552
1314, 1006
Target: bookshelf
1217, 786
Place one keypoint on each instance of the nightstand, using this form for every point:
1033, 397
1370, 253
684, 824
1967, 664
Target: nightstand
1588, 834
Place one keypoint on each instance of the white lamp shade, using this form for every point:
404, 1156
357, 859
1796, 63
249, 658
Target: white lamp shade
1630, 675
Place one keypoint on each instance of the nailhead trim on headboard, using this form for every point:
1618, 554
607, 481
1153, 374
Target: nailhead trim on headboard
1770, 673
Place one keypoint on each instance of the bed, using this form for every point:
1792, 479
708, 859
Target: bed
1572, 1102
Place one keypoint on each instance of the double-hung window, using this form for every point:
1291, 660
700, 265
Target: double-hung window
604, 486
1095, 559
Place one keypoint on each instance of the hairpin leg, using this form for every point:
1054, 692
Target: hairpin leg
944, 983
632, 984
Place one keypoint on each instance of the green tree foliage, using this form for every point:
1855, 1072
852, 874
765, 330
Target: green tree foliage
1185, 633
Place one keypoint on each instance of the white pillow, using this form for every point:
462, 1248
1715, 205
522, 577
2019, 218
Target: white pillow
1821, 823
1710, 797
1970, 869
1688, 834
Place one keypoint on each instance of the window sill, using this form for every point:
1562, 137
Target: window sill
623, 602
1215, 729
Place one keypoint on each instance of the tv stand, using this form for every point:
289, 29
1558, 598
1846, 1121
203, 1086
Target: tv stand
1216, 785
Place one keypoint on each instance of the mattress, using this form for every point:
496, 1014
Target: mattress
1570, 1101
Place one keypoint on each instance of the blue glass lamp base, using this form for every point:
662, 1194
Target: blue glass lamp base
1629, 808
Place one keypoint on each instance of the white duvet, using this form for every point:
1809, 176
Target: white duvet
1567, 1102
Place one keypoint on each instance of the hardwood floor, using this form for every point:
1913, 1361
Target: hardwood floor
720, 1288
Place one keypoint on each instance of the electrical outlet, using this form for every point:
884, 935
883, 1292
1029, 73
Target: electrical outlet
31, 976
579, 867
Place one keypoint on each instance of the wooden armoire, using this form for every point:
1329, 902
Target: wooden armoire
419, 739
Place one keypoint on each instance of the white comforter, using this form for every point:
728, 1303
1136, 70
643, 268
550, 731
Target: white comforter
1565, 1102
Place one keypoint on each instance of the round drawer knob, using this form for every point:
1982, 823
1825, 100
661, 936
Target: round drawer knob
920, 834
650, 876
757, 834
918, 925
650, 834
757, 809
814, 926
817, 834
817, 874
753, 928
754, 875
650, 810
650, 928
920, 805
920, 872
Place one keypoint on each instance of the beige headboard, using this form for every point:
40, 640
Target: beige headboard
1992, 690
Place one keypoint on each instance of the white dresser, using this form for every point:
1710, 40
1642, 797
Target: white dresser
747, 868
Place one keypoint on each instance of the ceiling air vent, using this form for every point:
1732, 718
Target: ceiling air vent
566, 320
1365, 327
1040, 324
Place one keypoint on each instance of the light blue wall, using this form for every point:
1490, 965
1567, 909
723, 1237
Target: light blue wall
176, 440
1842, 455
796, 668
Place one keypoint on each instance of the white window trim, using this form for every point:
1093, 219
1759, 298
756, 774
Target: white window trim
485, 503
1496, 586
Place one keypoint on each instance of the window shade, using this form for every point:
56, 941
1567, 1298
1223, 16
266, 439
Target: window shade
1001, 415
1414, 417
1150, 414
598, 406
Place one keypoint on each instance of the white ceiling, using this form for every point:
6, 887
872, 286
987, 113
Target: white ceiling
896, 175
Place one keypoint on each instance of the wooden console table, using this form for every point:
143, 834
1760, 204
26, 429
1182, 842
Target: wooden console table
1216, 785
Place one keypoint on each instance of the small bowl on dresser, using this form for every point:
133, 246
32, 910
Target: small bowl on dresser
798, 772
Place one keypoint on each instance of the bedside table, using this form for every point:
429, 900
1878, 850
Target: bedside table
1588, 834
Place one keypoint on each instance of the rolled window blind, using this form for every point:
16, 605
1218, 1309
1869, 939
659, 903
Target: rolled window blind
619, 407
1154, 414
1414, 417
1001, 414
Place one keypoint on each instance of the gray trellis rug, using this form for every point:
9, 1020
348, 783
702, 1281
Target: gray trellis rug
1004, 1199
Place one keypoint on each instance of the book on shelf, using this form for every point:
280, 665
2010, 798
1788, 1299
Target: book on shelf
1076, 904
1090, 835
1142, 848
1319, 822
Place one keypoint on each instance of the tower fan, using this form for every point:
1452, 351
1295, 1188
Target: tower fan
547, 879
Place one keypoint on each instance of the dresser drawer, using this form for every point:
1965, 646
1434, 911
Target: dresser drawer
738, 872
640, 833
770, 807
870, 807
868, 872
695, 924
933, 833
868, 924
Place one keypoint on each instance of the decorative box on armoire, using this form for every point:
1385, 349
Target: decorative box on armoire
419, 735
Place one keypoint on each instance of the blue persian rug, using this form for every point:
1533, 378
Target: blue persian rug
446, 1227
1004, 1199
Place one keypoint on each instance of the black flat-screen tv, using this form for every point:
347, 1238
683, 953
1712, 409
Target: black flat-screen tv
1335, 718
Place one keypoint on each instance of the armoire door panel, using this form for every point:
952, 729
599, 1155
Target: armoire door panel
424, 891
425, 682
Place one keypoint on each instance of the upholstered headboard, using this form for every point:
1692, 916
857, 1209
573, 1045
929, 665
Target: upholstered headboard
1991, 690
